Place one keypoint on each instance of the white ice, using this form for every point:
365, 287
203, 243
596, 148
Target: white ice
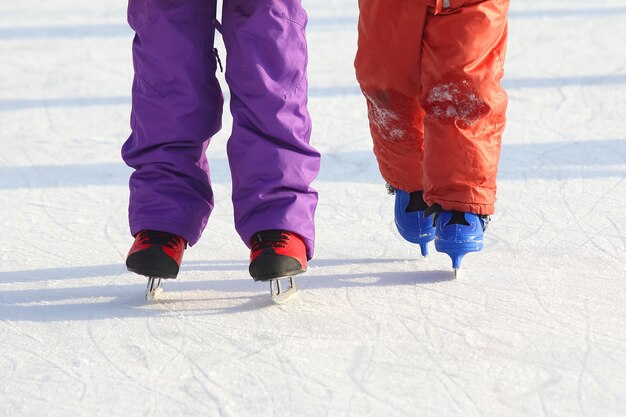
535, 327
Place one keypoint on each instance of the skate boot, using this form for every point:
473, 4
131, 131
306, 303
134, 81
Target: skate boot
157, 255
276, 255
458, 233
411, 219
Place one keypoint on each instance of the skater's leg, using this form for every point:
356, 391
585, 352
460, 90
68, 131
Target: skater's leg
271, 161
462, 65
177, 107
388, 70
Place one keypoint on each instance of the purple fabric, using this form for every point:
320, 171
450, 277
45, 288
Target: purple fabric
177, 108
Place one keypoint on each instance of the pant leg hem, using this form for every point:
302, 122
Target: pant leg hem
184, 230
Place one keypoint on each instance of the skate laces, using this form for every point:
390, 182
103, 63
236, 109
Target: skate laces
269, 239
155, 237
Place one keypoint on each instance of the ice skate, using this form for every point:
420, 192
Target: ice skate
411, 219
157, 255
459, 233
277, 256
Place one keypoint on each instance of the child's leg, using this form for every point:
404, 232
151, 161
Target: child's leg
177, 107
462, 64
272, 163
388, 70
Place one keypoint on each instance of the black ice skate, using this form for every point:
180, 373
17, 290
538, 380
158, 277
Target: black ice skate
157, 255
277, 255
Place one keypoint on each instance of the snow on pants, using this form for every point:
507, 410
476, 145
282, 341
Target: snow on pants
430, 71
177, 107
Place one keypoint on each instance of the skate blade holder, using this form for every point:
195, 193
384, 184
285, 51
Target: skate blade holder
153, 289
280, 294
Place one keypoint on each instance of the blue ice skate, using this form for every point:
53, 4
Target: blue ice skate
412, 223
459, 233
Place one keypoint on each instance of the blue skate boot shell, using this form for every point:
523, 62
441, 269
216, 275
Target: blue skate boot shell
413, 225
458, 239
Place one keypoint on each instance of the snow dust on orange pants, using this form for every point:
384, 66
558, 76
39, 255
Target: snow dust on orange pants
430, 71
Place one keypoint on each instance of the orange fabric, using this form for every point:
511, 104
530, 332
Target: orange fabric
430, 71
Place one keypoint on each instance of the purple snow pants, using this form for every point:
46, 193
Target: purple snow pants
177, 107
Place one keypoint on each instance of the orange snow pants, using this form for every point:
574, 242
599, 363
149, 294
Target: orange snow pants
430, 71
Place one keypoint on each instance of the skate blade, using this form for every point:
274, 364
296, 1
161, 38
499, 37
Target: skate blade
280, 294
154, 289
